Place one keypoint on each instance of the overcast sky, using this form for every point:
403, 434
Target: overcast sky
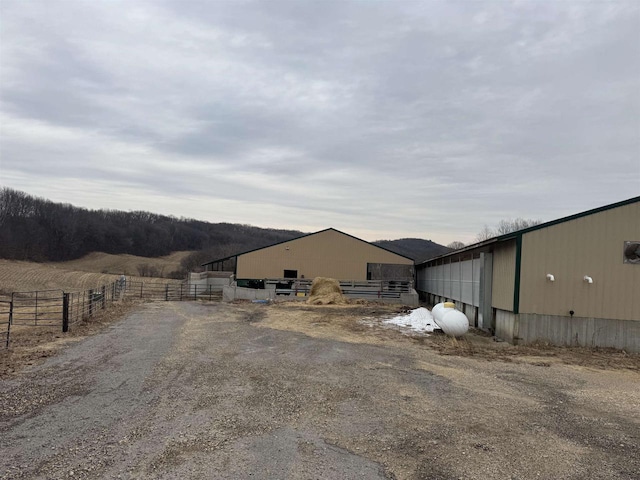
384, 119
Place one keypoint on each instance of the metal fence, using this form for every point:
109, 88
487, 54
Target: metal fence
6, 314
367, 289
171, 292
58, 308
38, 308
79, 306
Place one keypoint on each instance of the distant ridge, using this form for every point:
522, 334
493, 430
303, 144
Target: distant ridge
415, 248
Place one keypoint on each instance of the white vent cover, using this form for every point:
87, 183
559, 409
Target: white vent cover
632, 252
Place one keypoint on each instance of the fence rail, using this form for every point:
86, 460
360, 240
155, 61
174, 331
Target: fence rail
58, 308
171, 292
371, 289
6, 313
38, 308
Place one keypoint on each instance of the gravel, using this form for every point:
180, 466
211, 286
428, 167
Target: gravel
190, 390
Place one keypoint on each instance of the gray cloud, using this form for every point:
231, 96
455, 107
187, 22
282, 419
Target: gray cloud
384, 119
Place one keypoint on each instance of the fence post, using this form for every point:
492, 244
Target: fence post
209, 292
180, 292
195, 292
91, 297
166, 292
65, 312
141, 285
104, 291
9, 324
35, 319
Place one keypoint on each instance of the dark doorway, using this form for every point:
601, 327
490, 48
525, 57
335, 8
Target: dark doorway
291, 274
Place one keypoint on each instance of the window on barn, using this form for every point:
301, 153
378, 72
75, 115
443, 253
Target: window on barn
291, 274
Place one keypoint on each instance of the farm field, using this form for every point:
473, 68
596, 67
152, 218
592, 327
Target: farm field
99, 262
87, 272
211, 390
17, 276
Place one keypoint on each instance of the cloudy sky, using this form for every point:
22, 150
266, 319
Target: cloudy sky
385, 119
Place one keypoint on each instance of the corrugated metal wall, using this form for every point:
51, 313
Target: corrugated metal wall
459, 280
325, 254
590, 245
503, 279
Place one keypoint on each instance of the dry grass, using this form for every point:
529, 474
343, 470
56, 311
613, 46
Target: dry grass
16, 276
477, 344
98, 262
345, 322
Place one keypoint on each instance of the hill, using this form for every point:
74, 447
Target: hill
16, 276
99, 262
36, 229
415, 248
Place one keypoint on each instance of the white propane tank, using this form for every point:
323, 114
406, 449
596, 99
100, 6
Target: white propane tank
452, 322
435, 311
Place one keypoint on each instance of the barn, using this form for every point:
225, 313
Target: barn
572, 281
327, 253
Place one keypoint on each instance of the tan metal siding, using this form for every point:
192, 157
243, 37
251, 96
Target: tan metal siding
590, 245
325, 254
503, 279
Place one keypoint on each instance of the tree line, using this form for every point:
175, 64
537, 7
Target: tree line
503, 227
36, 229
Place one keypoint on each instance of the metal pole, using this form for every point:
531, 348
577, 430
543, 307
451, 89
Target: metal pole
91, 299
9, 324
65, 312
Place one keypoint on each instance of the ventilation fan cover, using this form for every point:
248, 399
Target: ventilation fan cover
632, 252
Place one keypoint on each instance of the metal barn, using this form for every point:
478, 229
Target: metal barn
572, 281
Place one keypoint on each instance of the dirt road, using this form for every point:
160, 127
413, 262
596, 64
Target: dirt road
232, 392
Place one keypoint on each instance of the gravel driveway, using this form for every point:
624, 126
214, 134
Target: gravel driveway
188, 390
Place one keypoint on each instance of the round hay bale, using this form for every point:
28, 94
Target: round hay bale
325, 291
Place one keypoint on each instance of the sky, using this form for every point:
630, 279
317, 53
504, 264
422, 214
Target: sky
383, 119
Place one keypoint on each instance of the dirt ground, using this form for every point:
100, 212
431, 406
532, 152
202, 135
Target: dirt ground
190, 390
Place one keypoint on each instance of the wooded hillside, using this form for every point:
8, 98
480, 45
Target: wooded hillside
37, 229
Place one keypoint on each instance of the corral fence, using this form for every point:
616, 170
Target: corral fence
366, 289
171, 292
6, 314
39, 308
52, 308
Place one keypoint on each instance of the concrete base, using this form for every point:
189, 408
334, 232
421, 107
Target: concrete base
205, 279
231, 293
410, 299
506, 326
567, 331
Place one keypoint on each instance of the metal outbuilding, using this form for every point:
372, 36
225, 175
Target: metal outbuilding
572, 281
327, 253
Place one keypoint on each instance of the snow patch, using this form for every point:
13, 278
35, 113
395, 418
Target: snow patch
419, 320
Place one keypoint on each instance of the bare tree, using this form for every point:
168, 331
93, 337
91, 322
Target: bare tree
508, 226
456, 245
504, 227
485, 234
